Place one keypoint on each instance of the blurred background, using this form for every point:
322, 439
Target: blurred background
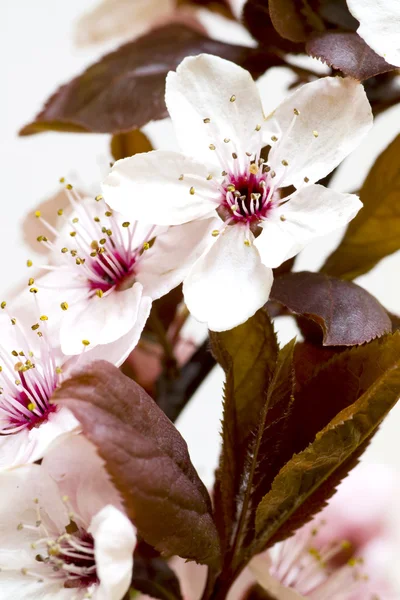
39, 54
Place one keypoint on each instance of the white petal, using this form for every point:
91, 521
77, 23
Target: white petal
237, 7
259, 566
15, 586
30, 445
120, 19
334, 109
20, 488
379, 26
229, 283
114, 543
117, 352
311, 212
149, 187
100, 320
85, 482
166, 264
202, 88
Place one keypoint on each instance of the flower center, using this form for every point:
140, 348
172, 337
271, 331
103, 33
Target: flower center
26, 383
246, 198
72, 556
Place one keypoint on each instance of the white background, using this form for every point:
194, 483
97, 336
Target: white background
38, 54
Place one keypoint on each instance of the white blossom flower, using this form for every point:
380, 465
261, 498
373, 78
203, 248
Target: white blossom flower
64, 534
30, 371
104, 275
379, 26
218, 118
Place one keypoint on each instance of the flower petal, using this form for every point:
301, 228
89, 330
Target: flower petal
210, 88
100, 320
379, 26
85, 482
166, 264
114, 543
116, 352
334, 117
310, 213
149, 187
260, 565
29, 446
229, 283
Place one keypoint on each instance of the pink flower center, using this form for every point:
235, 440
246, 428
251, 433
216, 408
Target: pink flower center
27, 384
72, 556
246, 197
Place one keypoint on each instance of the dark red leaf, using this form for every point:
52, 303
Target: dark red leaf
153, 576
125, 89
348, 53
347, 314
147, 459
258, 21
294, 19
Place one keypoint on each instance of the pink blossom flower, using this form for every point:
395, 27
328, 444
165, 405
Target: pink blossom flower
342, 554
30, 371
218, 117
63, 528
104, 274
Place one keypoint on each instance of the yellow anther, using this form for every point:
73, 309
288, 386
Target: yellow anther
72, 233
215, 232
60, 212
64, 250
209, 177
31, 406
59, 370
75, 220
253, 169
282, 218
207, 120
224, 173
3, 304
99, 293
125, 224
31, 281
62, 180
227, 140
96, 219
38, 214
285, 163
192, 190
273, 174
64, 305
94, 244
212, 147
306, 179
86, 342
296, 112
247, 243
29, 263
146, 246
98, 198
232, 98
266, 169
315, 133
13, 321
258, 127
33, 290
74, 253
231, 188
93, 254
35, 326
181, 177
274, 138
234, 155
103, 241
109, 232
44, 318
108, 213
14, 352
68, 186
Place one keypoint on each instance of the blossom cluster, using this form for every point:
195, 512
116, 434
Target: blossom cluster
241, 198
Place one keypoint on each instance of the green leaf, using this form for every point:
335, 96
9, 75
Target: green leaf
248, 355
372, 375
375, 232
